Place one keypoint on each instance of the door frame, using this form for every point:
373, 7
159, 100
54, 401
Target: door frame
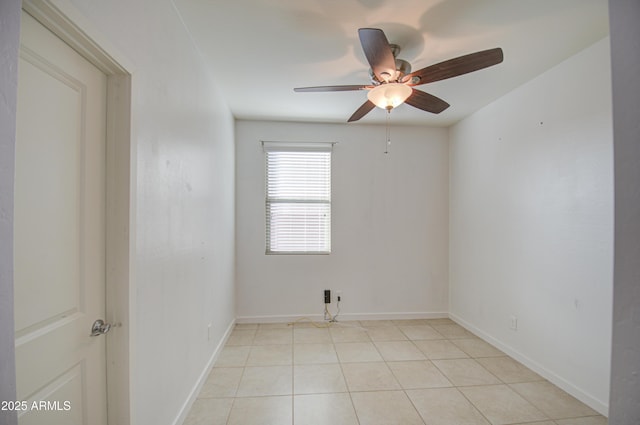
70, 26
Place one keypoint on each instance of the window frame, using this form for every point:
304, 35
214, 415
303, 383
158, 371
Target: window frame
271, 146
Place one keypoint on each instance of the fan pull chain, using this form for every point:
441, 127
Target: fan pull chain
388, 141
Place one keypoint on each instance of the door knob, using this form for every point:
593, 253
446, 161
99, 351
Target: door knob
99, 327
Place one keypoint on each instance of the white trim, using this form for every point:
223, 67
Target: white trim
63, 19
297, 198
271, 146
193, 394
597, 405
343, 317
120, 249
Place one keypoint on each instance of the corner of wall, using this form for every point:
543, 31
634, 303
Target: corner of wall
531, 223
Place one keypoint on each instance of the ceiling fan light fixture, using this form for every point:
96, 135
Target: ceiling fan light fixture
389, 95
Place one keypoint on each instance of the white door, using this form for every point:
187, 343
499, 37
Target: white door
59, 232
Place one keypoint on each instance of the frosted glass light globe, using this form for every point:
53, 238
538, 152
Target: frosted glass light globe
389, 95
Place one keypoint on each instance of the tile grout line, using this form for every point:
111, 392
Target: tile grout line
235, 397
456, 386
404, 391
244, 366
353, 406
451, 338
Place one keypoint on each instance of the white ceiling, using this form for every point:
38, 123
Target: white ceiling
261, 49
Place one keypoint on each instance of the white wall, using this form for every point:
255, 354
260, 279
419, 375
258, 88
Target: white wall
625, 56
183, 200
389, 230
532, 223
9, 41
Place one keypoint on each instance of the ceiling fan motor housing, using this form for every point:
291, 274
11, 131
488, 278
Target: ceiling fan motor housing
402, 68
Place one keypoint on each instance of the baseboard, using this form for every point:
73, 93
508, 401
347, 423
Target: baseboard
343, 317
595, 404
186, 406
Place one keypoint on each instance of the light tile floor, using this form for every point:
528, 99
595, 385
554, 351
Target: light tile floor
400, 372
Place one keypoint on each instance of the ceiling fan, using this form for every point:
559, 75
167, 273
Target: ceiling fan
392, 81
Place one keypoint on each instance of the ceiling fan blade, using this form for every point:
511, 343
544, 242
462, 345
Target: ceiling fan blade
362, 111
330, 88
426, 102
457, 66
378, 52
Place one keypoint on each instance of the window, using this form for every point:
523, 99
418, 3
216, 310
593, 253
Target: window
298, 198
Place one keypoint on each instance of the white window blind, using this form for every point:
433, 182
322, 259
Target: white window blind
298, 198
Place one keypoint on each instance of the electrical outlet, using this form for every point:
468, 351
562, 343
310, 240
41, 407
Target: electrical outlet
339, 295
513, 323
327, 296
209, 332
